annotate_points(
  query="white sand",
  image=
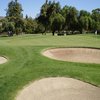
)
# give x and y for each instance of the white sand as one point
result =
(3, 60)
(59, 89)
(84, 55)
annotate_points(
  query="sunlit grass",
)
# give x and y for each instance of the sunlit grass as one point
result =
(26, 64)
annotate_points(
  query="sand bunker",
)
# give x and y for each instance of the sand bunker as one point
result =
(3, 60)
(84, 55)
(59, 89)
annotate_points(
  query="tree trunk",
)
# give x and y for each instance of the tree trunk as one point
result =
(53, 33)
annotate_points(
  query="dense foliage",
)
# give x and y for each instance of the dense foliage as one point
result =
(52, 18)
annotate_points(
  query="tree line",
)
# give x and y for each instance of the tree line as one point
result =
(52, 18)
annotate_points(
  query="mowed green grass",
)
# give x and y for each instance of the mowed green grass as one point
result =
(26, 64)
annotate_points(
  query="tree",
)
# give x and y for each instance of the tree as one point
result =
(40, 28)
(84, 13)
(43, 19)
(14, 9)
(57, 22)
(85, 23)
(30, 26)
(26, 17)
(14, 14)
(46, 1)
(1, 27)
(96, 14)
(48, 9)
(8, 26)
(4, 24)
(71, 18)
(64, 13)
(96, 19)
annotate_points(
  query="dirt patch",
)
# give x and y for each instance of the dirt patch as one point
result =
(3, 60)
(59, 89)
(84, 55)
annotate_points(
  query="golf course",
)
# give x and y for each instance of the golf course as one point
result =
(26, 63)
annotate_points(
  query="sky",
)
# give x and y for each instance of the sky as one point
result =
(32, 7)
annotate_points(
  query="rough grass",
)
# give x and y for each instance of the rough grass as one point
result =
(26, 64)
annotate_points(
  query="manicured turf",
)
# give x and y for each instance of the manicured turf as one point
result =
(26, 64)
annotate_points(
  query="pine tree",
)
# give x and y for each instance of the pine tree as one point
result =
(14, 9)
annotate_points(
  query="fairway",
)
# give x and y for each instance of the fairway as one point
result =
(26, 64)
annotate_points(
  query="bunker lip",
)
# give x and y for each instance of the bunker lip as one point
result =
(59, 88)
(82, 55)
(2, 60)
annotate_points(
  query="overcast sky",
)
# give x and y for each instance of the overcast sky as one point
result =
(32, 7)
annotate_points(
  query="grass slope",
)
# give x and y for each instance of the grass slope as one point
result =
(26, 64)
